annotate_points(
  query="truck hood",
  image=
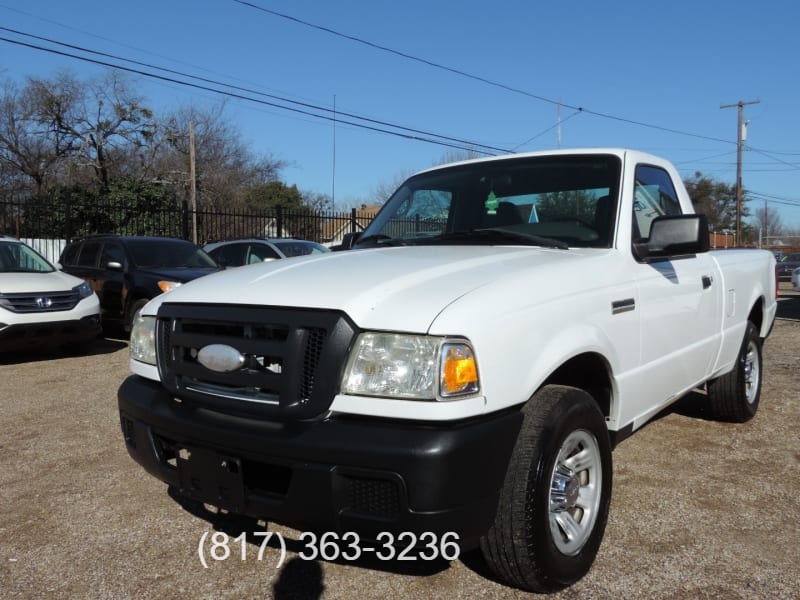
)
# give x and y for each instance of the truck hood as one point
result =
(401, 289)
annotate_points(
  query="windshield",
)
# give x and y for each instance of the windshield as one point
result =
(170, 254)
(568, 200)
(19, 258)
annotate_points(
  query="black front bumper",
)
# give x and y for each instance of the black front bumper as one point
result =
(339, 474)
(49, 334)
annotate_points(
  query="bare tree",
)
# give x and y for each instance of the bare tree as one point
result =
(769, 222)
(101, 120)
(30, 145)
(224, 164)
(383, 190)
(317, 201)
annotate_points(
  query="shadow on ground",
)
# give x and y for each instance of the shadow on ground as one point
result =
(99, 346)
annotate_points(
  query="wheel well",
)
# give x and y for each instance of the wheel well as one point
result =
(756, 315)
(588, 372)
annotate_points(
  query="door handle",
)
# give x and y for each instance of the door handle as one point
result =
(707, 281)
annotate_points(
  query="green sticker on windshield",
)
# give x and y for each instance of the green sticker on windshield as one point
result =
(491, 204)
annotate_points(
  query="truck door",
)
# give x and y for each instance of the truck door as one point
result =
(680, 299)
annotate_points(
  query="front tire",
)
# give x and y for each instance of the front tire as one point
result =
(735, 396)
(554, 504)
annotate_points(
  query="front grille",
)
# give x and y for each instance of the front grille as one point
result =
(42, 302)
(290, 360)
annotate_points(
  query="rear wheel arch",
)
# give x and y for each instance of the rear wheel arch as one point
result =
(756, 316)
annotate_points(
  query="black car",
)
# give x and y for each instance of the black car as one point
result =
(127, 271)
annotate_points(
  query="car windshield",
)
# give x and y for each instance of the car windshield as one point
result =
(552, 201)
(299, 248)
(19, 258)
(171, 254)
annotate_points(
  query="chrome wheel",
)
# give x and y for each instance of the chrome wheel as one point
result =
(752, 372)
(576, 486)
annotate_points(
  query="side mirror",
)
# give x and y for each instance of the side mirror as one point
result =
(674, 237)
(114, 265)
(349, 240)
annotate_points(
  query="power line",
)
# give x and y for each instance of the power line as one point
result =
(775, 199)
(411, 133)
(472, 76)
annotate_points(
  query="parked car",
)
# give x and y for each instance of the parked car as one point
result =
(788, 264)
(127, 271)
(41, 307)
(235, 253)
(796, 279)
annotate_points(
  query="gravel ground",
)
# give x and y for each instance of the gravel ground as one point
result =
(700, 509)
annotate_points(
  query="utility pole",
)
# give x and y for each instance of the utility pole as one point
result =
(192, 182)
(739, 147)
(558, 121)
(333, 169)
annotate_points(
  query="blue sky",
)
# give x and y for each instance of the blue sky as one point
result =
(650, 76)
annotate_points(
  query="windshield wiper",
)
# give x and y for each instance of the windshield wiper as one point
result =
(380, 239)
(498, 234)
(22, 270)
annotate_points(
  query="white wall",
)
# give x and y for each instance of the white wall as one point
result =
(50, 249)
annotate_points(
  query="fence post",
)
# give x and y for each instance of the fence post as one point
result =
(279, 221)
(353, 221)
(184, 219)
(68, 216)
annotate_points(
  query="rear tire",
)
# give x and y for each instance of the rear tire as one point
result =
(554, 504)
(735, 396)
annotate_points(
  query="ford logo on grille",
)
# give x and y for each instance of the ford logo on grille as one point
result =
(220, 358)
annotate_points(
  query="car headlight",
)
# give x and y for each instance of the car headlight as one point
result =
(166, 286)
(143, 340)
(84, 290)
(415, 367)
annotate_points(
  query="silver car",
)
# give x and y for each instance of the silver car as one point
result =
(235, 253)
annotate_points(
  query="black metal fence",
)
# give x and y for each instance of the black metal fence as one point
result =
(69, 220)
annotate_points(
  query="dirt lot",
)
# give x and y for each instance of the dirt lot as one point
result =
(700, 509)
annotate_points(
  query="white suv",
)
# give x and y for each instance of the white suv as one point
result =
(41, 306)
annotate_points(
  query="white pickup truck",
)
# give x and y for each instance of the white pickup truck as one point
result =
(465, 370)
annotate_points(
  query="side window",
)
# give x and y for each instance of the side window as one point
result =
(89, 254)
(112, 253)
(70, 255)
(259, 252)
(229, 255)
(654, 196)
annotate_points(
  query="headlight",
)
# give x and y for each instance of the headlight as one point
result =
(84, 290)
(166, 286)
(415, 367)
(143, 340)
